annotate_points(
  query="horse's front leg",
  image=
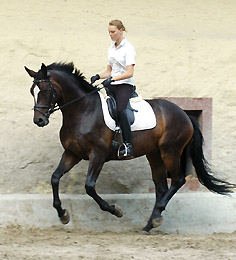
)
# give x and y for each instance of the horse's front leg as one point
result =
(95, 166)
(68, 160)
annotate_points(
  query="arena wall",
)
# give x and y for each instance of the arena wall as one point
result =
(185, 49)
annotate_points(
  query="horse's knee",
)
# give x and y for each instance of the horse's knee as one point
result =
(90, 190)
(55, 181)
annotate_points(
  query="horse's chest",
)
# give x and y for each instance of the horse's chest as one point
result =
(75, 144)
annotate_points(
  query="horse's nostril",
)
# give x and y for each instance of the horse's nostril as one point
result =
(39, 121)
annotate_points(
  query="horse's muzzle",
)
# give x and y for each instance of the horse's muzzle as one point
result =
(41, 121)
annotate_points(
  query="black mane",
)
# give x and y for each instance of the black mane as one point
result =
(70, 69)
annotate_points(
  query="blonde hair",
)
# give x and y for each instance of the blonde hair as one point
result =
(118, 24)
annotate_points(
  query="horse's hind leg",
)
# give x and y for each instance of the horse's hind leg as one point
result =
(68, 160)
(171, 160)
(161, 188)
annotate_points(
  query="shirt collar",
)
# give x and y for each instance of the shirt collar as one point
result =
(121, 44)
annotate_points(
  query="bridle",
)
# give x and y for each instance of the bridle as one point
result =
(51, 108)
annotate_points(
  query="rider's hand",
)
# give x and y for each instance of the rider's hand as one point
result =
(94, 78)
(107, 82)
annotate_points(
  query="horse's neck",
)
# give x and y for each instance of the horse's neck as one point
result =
(85, 106)
(71, 92)
(83, 109)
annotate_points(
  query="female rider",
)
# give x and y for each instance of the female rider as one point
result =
(120, 80)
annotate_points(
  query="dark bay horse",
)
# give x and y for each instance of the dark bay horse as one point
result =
(84, 135)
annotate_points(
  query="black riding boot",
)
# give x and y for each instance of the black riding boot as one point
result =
(126, 150)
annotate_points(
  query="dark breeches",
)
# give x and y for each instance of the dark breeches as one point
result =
(121, 93)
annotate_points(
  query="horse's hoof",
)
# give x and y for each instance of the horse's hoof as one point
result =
(66, 218)
(156, 222)
(118, 211)
(144, 232)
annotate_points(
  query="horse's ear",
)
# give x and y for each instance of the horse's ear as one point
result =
(30, 72)
(44, 70)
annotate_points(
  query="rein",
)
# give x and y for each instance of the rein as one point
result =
(75, 100)
(51, 108)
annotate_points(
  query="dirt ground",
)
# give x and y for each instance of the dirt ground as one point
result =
(19, 243)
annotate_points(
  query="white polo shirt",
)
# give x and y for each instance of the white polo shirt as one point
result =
(120, 57)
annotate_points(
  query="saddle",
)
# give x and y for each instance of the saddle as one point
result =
(143, 120)
(112, 107)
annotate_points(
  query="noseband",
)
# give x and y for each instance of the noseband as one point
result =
(50, 106)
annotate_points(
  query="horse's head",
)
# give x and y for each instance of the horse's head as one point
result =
(45, 95)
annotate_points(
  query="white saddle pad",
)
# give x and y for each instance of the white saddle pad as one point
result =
(144, 118)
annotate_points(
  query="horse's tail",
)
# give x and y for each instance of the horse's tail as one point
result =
(201, 165)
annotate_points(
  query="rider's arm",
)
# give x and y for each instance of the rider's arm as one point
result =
(106, 73)
(128, 74)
